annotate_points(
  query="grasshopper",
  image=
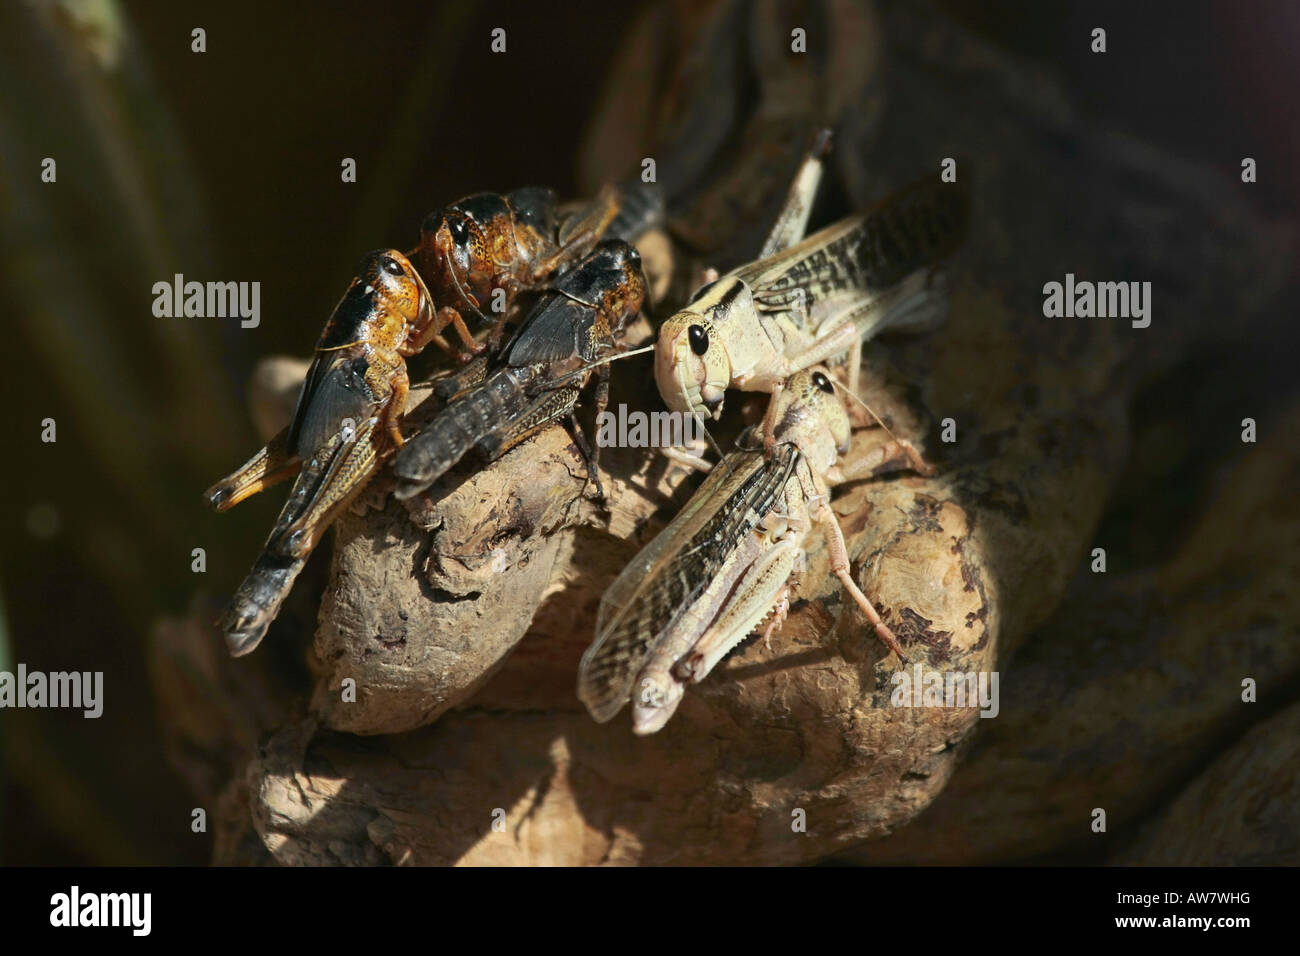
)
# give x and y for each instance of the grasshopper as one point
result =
(539, 374)
(359, 368)
(488, 243)
(483, 251)
(345, 424)
(811, 300)
(727, 561)
(348, 417)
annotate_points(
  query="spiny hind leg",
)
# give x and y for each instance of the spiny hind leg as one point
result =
(582, 230)
(543, 412)
(350, 469)
(552, 407)
(458, 381)
(758, 593)
(269, 466)
(315, 473)
(792, 221)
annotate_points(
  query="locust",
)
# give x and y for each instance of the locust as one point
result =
(345, 423)
(482, 251)
(358, 370)
(474, 246)
(539, 374)
(727, 563)
(811, 300)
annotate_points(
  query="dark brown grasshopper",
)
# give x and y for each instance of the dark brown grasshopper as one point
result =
(345, 424)
(359, 369)
(540, 373)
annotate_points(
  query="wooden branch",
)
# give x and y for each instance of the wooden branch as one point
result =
(462, 620)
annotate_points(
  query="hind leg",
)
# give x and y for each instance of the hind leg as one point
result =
(269, 466)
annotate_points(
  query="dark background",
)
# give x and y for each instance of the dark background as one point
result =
(225, 165)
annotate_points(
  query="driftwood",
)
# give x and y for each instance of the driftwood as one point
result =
(426, 600)
(461, 618)
(1130, 687)
(1240, 812)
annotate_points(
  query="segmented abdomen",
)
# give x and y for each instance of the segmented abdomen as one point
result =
(463, 423)
(258, 600)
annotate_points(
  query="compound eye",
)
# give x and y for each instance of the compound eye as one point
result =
(698, 338)
(392, 266)
(459, 230)
(824, 383)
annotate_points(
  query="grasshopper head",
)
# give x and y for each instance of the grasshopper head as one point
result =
(389, 277)
(810, 413)
(691, 366)
(455, 252)
(623, 292)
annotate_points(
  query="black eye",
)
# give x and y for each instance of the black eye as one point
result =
(459, 230)
(699, 339)
(824, 383)
(392, 266)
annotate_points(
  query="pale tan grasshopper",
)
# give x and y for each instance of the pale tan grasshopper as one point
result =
(726, 563)
(813, 300)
